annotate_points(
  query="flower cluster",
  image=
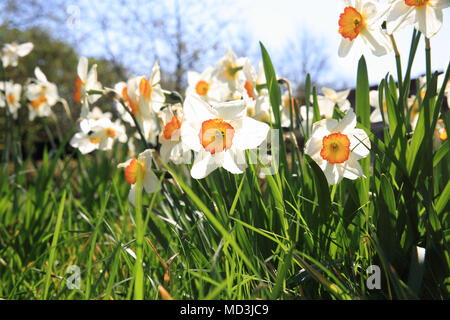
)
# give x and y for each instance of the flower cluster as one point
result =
(39, 94)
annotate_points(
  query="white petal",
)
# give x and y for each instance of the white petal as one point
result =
(347, 124)
(205, 163)
(150, 182)
(40, 75)
(24, 49)
(344, 47)
(399, 16)
(230, 110)
(233, 161)
(352, 169)
(82, 68)
(429, 20)
(190, 135)
(195, 109)
(249, 133)
(360, 144)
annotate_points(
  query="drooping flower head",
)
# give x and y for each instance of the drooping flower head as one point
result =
(336, 146)
(360, 27)
(219, 135)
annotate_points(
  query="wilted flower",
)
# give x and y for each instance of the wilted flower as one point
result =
(426, 15)
(219, 135)
(12, 99)
(360, 26)
(336, 146)
(143, 166)
(42, 95)
(12, 51)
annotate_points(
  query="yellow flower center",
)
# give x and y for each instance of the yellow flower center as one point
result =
(335, 148)
(202, 88)
(131, 171)
(216, 135)
(416, 3)
(351, 22)
(95, 140)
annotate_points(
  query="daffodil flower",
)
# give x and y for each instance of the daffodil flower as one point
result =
(172, 148)
(42, 95)
(206, 86)
(360, 27)
(336, 146)
(425, 15)
(331, 98)
(12, 92)
(86, 81)
(219, 135)
(98, 134)
(141, 166)
(228, 69)
(12, 51)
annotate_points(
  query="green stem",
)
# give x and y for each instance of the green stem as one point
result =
(428, 60)
(398, 63)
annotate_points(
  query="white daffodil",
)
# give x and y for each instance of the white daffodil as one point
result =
(219, 135)
(172, 148)
(98, 134)
(255, 93)
(12, 51)
(336, 146)
(86, 81)
(129, 92)
(151, 96)
(143, 166)
(425, 15)
(12, 100)
(96, 114)
(42, 95)
(228, 69)
(206, 86)
(360, 27)
(331, 98)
